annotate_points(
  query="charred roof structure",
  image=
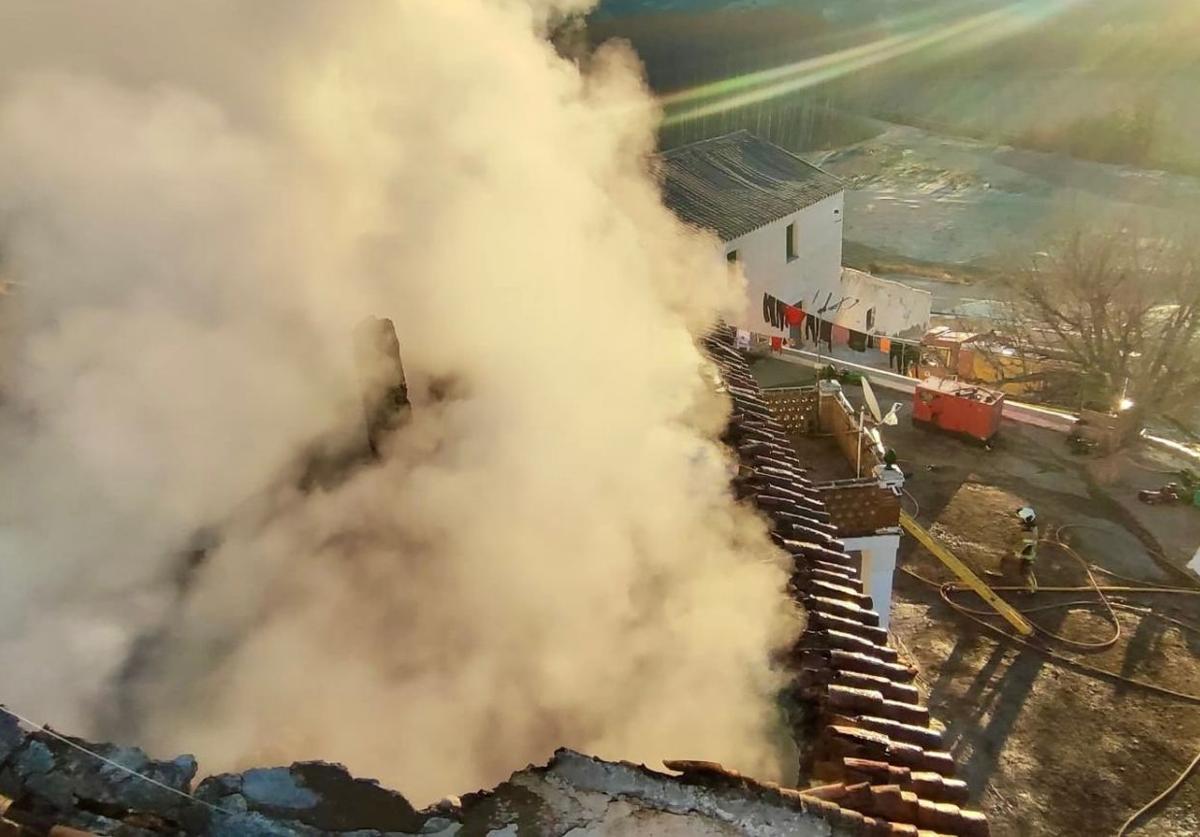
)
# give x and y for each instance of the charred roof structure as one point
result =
(871, 763)
(52, 788)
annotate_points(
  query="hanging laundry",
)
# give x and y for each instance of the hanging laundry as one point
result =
(840, 335)
(742, 340)
(795, 315)
(826, 334)
(857, 340)
(812, 328)
(781, 308)
(777, 344)
(773, 311)
(885, 345)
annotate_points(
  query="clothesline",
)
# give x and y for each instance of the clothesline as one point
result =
(34, 726)
(903, 354)
(781, 315)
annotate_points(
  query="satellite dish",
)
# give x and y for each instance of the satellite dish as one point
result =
(872, 402)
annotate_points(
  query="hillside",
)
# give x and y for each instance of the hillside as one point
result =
(1106, 80)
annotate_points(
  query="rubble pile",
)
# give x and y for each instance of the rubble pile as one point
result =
(48, 786)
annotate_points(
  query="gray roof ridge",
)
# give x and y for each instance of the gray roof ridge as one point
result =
(751, 135)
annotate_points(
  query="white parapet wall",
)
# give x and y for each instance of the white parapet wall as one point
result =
(882, 306)
(878, 553)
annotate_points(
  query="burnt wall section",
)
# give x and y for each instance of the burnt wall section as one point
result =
(866, 742)
(382, 382)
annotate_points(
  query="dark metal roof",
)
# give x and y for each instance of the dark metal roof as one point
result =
(737, 183)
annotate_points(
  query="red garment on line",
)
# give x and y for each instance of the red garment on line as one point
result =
(795, 315)
(777, 344)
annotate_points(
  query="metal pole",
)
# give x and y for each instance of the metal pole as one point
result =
(858, 464)
(818, 330)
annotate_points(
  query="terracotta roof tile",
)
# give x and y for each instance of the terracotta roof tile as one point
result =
(865, 730)
(900, 692)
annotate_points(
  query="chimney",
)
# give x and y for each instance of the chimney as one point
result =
(381, 379)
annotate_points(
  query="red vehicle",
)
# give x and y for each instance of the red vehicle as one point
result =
(961, 408)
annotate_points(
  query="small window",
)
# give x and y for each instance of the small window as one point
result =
(791, 242)
(732, 256)
(870, 318)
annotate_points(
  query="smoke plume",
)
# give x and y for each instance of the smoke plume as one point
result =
(198, 203)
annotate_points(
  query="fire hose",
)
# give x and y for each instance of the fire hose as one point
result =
(947, 589)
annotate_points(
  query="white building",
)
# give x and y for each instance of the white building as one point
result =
(780, 220)
(882, 306)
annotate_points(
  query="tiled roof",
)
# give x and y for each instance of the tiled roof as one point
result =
(863, 734)
(737, 183)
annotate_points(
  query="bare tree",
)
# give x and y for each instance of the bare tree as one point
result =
(1118, 314)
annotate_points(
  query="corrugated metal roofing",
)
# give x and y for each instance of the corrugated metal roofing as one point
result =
(737, 183)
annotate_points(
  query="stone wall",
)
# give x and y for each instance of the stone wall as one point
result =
(859, 507)
(795, 408)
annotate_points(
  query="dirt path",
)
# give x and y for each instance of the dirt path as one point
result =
(962, 204)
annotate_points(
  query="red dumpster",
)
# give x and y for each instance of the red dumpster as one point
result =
(965, 409)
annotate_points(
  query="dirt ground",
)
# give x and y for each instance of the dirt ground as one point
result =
(1047, 749)
(955, 205)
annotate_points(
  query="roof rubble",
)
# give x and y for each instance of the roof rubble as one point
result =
(50, 783)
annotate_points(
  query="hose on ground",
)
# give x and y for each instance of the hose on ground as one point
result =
(1156, 801)
(952, 587)
(947, 589)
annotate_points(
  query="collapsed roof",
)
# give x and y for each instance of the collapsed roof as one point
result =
(871, 761)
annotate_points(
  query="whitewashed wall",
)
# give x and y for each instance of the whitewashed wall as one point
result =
(899, 309)
(813, 274)
(878, 567)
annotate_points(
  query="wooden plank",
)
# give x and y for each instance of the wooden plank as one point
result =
(966, 575)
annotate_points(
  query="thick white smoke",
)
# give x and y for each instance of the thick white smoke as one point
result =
(198, 202)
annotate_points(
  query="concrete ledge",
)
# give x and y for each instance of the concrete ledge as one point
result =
(1034, 414)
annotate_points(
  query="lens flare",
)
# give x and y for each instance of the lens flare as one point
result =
(941, 38)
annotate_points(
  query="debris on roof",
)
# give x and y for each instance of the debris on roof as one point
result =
(49, 786)
(737, 183)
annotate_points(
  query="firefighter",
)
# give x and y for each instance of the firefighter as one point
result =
(1026, 553)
